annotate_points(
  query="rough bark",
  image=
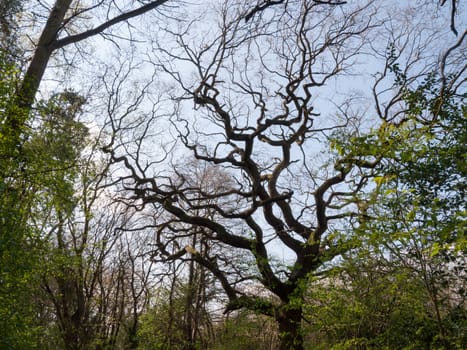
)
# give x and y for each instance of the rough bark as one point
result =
(289, 320)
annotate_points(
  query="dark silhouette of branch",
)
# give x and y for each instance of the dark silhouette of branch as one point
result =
(268, 3)
(99, 29)
(453, 14)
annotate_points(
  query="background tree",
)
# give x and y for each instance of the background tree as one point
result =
(190, 298)
(8, 27)
(24, 172)
(94, 289)
(368, 303)
(425, 195)
(414, 224)
(59, 31)
(18, 253)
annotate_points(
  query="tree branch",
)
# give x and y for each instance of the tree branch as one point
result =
(99, 29)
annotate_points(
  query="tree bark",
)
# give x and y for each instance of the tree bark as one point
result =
(290, 336)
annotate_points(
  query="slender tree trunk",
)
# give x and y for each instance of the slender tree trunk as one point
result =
(290, 335)
(42, 54)
(189, 301)
(21, 105)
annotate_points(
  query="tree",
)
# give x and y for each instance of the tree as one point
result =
(252, 93)
(415, 214)
(69, 275)
(20, 170)
(8, 10)
(257, 133)
(54, 36)
(93, 286)
(368, 302)
(18, 250)
(61, 139)
(424, 195)
(191, 291)
(262, 5)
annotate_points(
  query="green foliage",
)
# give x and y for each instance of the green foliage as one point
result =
(60, 139)
(370, 304)
(8, 10)
(404, 287)
(428, 183)
(35, 173)
(422, 209)
(162, 327)
(8, 150)
(18, 328)
(246, 330)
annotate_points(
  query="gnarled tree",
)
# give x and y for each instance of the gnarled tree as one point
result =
(255, 123)
(252, 95)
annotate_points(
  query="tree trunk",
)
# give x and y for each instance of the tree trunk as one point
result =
(290, 336)
(42, 54)
(18, 114)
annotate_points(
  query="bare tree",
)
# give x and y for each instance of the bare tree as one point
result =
(255, 123)
(97, 282)
(94, 279)
(264, 4)
(193, 281)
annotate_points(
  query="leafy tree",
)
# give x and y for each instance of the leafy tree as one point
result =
(369, 303)
(54, 36)
(424, 210)
(93, 289)
(8, 10)
(26, 175)
(414, 218)
(18, 255)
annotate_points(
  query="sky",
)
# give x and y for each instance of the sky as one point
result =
(133, 53)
